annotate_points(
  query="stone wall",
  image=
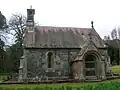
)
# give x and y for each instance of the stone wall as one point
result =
(106, 60)
(37, 63)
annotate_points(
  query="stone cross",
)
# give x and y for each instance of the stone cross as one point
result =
(92, 24)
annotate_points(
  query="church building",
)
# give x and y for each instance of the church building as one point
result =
(62, 53)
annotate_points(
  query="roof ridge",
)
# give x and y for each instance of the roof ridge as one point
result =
(62, 27)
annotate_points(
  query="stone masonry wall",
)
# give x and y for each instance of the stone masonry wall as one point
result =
(37, 63)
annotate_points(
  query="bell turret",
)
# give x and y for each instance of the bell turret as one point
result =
(30, 17)
(30, 28)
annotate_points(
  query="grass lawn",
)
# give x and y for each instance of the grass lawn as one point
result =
(3, 77)
(57, 85)
(116, 69)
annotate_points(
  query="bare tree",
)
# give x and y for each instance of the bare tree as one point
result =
(118, 32)
(114, 34)
(17, 25)
(3, 26)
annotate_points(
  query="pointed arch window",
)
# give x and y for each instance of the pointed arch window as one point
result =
(50, 59)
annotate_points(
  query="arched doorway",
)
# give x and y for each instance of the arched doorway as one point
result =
(90, 65)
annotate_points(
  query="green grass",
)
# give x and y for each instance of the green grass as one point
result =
(65, 86)
(57, 85)
(116, 69)
(3, 78)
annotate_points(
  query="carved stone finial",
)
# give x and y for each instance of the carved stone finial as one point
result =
(92, 24)
(90, 36)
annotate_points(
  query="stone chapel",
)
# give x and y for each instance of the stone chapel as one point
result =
(62, 53)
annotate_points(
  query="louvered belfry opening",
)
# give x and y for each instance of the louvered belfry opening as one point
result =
(90, 64)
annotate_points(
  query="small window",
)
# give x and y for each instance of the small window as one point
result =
(50, 59)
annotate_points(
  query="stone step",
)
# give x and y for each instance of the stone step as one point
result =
(93, 80)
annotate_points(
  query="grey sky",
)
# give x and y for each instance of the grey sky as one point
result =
(69, 13)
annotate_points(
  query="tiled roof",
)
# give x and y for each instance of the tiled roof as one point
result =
(65, 37)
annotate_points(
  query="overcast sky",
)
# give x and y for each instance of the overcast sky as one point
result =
(69, 13)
